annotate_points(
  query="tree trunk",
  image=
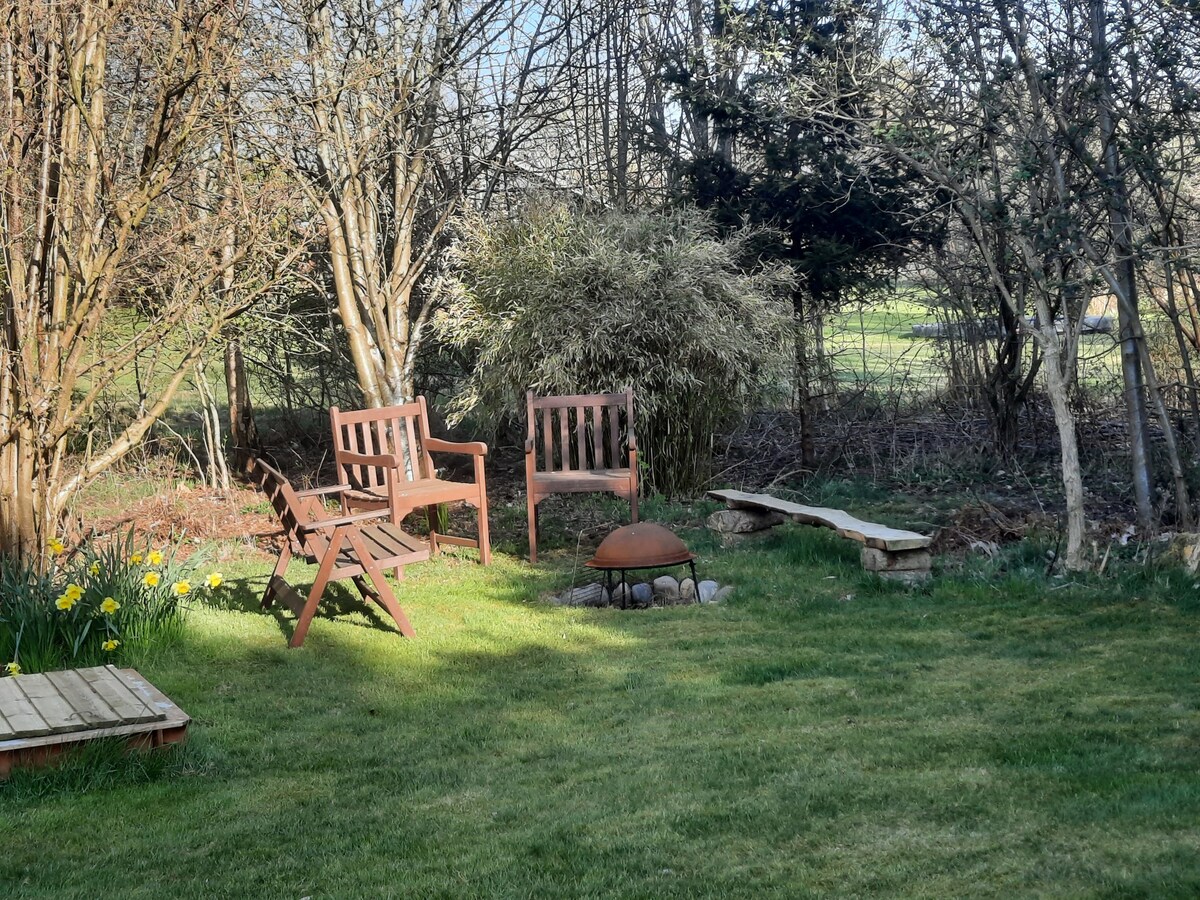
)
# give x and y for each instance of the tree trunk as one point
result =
(243, 431)
(1058, 387)
(804, 398)
(216, 469)
(1127, 311)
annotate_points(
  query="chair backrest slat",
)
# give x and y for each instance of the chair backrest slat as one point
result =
(412, 456)
(547, 441)
(291, 510)
(614, 434)
(597, 437)
(564, 440)
(580, 438)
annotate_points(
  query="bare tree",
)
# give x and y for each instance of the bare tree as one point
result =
(389, 114)
(1013, 109)
(105, 108)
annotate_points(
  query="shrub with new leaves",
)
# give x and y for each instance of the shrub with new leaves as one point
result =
(562, 302)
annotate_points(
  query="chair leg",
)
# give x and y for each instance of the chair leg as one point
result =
(281, 565)
(532, 530)
(485, 540)
(431, 514)
(385, 597)
(318, 588)
(633, 503)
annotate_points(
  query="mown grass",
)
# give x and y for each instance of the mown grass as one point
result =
(997, 734)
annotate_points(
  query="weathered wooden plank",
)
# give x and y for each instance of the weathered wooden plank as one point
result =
(86, 702)
(107, 682)
(170, 724)
(22, 716)
(868, 533)
(593, 480)
(50, 703)
(555, 402)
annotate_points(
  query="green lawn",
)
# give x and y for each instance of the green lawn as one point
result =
(874, 347)
(1000, 734)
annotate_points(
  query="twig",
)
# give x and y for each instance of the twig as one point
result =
(1054, 553)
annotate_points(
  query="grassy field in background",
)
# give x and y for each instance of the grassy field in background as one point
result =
(872, 346)
(997, 734)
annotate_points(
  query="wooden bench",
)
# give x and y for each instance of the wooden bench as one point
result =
(891, 552)
(579, 444)
(350, 546)
(403, 432)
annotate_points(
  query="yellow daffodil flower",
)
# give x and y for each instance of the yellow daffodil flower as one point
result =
(110, 645)
(151, 579)
(215, 580)
(13, 668)
(55, 547)
(73, 591)
(154, 558)
(108, 606)
(65, 602)
(94, 568)
(180, 588)
(136, 559)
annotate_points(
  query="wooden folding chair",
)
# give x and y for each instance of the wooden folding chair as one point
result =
(345, 546)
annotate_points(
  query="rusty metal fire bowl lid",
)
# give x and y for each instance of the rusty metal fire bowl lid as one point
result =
(642, 545)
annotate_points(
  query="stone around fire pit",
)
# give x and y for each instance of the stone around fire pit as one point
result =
(665, 591)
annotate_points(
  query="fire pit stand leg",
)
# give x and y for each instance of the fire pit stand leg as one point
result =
(692, 566)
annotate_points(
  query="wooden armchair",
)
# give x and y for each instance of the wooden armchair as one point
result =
(583, 443)
(348, 546)
(403, 432)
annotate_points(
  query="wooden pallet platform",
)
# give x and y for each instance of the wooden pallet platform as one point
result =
(42, 715)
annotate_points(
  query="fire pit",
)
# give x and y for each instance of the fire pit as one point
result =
(642, 545)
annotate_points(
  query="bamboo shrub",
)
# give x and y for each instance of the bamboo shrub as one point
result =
(562, 302)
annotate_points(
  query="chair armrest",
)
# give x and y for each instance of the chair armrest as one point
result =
(317, 492)
(528, 445)
(385, 460)
(472, 448)
(633, 443)
(321, 524)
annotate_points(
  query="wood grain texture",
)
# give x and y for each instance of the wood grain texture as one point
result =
(868, 533)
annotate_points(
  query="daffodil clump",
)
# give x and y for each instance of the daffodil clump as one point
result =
(94, 603)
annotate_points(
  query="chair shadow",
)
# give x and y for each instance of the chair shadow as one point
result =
(340, 601)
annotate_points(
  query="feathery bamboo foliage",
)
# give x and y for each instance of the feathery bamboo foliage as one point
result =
(562, 302)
